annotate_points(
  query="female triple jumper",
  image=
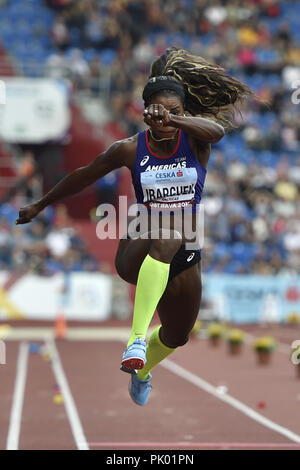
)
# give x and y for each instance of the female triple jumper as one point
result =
(188, 104)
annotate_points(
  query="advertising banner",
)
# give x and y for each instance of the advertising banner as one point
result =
(80, 296)
(35, 110)
(252, 299)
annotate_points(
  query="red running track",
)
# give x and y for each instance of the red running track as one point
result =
(179, 415)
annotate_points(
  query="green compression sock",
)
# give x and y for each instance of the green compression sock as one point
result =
(156, 351)
(151, 284)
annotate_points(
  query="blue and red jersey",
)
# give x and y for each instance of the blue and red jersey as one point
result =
(171, 182)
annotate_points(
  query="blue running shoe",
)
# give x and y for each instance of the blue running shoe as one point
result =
(134, 358)
(139, 390)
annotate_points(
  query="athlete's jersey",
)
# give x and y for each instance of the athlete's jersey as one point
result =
(171, 182)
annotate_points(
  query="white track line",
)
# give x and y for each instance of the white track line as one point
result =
(69, 402)
(18, 399)
(73, 333)
(238, 405)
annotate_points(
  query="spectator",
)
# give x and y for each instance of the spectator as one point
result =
(252, 189)
(60, 33)
(47, 245)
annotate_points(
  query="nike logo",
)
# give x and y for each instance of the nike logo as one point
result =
(190, 257)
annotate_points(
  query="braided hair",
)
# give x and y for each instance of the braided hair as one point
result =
(209, 91)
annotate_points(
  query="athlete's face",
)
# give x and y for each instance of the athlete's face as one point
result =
(173, 104)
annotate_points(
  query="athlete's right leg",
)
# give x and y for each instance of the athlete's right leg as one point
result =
(178, 310)
(146, 263)
(162, 245)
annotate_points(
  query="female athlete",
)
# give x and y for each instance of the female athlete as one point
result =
(188, 104)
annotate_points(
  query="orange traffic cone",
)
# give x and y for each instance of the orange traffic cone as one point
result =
(60, 326)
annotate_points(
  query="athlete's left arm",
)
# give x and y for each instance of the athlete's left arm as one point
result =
(201, 134)
(199, 128)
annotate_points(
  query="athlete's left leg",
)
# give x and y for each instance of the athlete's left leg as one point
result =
(178, 310)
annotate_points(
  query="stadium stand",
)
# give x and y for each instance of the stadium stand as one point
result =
(252, 189)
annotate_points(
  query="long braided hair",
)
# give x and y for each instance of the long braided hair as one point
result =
(209, 91)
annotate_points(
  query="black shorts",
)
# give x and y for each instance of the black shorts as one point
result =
(184, 259)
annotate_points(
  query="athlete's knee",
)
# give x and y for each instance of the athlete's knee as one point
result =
(121, 266)
(179, 342)
(173, 340)
(124, 274)
(164, 244)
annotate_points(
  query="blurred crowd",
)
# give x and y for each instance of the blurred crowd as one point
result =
(253, 217)
(253, 183)
(253, 40)
(46, 246)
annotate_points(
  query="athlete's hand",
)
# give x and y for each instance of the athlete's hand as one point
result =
(156, 115)
(27, 213)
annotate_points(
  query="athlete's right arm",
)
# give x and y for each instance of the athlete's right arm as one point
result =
(116, 156)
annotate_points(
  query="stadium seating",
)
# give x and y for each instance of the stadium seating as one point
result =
(269, 136)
